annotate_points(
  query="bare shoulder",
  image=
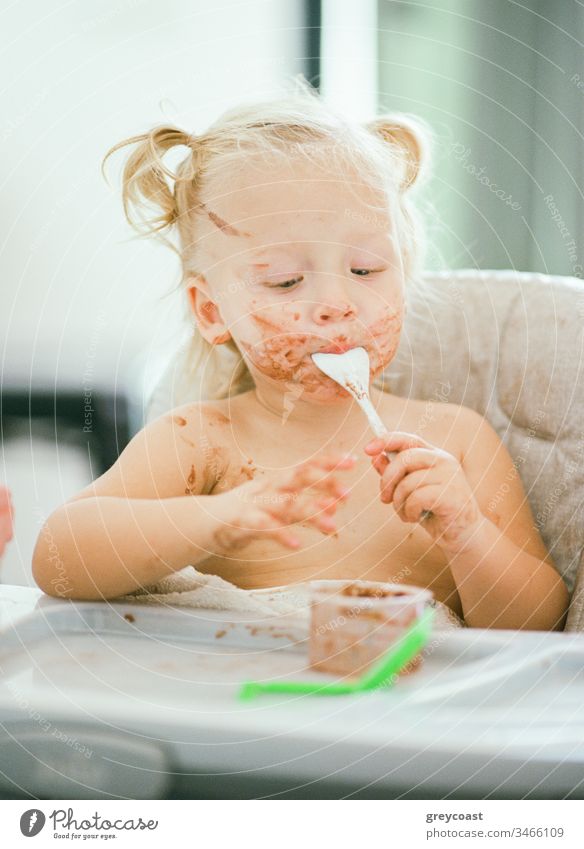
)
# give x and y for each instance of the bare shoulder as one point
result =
(495, 480)
(465, 432)
(176, 454)
(441, 423)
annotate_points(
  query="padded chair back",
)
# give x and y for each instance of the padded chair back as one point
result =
(511, 346)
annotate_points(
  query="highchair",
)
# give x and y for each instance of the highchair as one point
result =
(121, 700)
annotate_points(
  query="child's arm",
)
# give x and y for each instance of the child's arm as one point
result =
(131, 526)
(481, 519)
(148, 515)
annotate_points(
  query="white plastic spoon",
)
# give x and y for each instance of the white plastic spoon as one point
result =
(351, 371)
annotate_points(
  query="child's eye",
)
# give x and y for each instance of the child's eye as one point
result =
(287, 284)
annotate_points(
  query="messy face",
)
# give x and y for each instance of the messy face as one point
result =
(299, 265)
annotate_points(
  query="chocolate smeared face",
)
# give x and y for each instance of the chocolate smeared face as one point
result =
(299, 265)
(283, 355)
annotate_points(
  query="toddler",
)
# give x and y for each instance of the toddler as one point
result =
(296, 234)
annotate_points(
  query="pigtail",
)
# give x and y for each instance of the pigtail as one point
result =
(411, 140)
(147, 181)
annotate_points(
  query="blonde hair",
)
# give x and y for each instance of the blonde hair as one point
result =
(390, 152)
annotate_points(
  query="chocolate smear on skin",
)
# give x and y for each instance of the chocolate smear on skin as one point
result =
(222, 225)
(216, 416)
(249, 473)
(191, 482)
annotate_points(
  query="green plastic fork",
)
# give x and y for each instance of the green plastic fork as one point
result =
(392, 662)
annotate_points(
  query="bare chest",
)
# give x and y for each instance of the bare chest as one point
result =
(372, 543)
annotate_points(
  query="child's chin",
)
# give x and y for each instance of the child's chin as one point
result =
(323, 393)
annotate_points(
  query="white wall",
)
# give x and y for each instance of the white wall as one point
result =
(75, 295)
(79, 301)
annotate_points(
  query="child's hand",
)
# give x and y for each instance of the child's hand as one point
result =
(267, 506)
(427, 485)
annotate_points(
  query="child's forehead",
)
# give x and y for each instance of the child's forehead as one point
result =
(255, 212)
(255, 239)
(302, 189)
(276, 193)
(250, 225)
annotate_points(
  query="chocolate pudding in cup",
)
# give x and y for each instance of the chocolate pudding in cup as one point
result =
(353, 623)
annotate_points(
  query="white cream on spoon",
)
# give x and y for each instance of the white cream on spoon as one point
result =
(351, 371)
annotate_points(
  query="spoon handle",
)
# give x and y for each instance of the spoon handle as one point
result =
(380, 430)
(377, 426)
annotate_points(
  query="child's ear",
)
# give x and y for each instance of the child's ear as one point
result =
(206, 312)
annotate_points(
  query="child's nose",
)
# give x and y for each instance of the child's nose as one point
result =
(325, 313)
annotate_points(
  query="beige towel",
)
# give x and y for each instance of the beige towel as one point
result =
(189, 588)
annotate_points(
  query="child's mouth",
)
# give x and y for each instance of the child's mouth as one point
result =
(338, 347)
(286, 356)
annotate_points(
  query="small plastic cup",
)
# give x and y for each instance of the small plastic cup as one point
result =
(352, 623)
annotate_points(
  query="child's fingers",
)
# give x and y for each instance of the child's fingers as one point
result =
(311, 507)
(287, 539)
(420, 503)
(320, 476)
(407, 461)
(396, 441)
(329, 505)
(326, 524)
(279, 527)
(409, 484)
(263, 524)
(380, 463)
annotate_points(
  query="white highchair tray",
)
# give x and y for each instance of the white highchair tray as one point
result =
(172, 674)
